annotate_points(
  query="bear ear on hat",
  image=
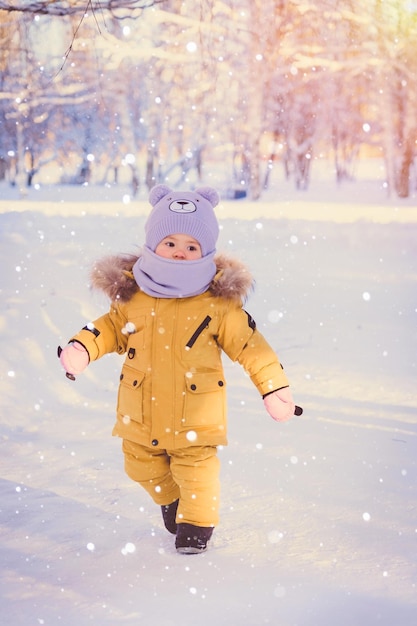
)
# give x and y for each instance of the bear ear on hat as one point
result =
(209, 194)
(158, 192)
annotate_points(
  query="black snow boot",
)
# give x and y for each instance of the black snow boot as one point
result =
(169, 512)
(192, 539)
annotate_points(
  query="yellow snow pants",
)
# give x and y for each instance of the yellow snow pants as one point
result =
(188, 474)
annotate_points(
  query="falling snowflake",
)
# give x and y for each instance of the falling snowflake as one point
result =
(129, 328)
(129, 548)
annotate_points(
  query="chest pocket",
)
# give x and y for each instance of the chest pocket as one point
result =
(130, 398)
(204, 324)
(135, 331)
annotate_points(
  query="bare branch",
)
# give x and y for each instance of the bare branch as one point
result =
(72, 7)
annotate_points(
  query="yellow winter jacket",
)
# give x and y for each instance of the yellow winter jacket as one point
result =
(172, 391)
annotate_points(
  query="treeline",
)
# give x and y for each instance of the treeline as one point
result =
(165, 89)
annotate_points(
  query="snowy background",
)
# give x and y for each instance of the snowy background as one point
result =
(319, 516)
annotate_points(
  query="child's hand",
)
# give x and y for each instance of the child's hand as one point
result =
(280, 404)
(74, 358)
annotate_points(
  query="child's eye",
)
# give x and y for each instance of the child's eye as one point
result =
(192, 248)
(170, 244)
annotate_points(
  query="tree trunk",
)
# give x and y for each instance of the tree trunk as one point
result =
(150, 176)
(403, 177)
(253, 96)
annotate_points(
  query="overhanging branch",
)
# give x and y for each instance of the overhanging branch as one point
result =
(72, 7)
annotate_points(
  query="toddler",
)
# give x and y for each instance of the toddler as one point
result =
(174, 309)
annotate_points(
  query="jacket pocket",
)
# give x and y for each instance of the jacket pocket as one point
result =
(130, 398)
(205, 399)
(204, 324)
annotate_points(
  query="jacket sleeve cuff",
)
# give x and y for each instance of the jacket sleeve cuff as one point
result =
(88, 341)
(278, 389)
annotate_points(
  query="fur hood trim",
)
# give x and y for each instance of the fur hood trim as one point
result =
(113, 275)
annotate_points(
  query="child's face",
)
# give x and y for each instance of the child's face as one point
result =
(179, 247)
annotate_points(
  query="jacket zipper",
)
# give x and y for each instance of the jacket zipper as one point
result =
(206, 321)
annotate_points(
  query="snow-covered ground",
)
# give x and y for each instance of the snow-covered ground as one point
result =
(319, 515)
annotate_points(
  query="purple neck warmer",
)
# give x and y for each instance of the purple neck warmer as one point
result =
(166, 278)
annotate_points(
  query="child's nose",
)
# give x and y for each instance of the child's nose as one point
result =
(179, 254)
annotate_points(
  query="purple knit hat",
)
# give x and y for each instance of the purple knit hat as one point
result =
(187, 212)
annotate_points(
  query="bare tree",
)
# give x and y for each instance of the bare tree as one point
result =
(396, 75)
